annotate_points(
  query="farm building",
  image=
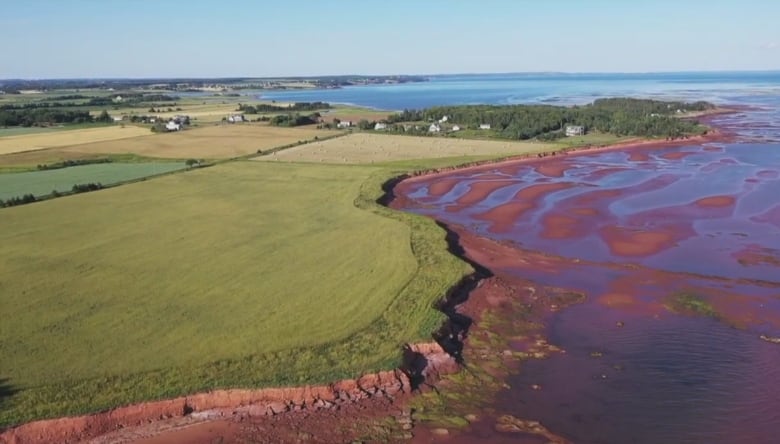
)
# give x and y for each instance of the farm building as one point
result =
(455, 128)
(484, 126)
(575, 130)
(236, 118)
(380, 126)
(434, 128)
(173, 126)
(344, 124)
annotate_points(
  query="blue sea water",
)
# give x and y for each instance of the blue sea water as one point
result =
(554, 88)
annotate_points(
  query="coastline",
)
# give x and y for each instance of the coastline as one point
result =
(423, 363)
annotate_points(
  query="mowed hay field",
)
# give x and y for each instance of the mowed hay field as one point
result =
(212, 142)
(244, 274)
(376, 148)
(52, 139)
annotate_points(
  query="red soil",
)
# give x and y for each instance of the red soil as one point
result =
(232, 404)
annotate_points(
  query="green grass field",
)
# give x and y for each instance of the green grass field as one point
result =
(40, 183)
(244, 274)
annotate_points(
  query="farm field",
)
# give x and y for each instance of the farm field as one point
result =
(208, 279)
(212, 142)
(52, 139)
(354, 114)
(378, 148)
(40, 183)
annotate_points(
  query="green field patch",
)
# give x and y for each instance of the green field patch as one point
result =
(40, 183)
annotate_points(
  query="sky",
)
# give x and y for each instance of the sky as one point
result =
(265, 38)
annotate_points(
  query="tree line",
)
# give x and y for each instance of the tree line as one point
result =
(46, 117)
(30, 198)
(619, 116)
(290, 120)
(72, 163)
(295, 107)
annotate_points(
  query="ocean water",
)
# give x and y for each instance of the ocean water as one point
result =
(631, 230)
(542, 88)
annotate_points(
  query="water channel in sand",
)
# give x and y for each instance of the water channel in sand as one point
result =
(638, 231)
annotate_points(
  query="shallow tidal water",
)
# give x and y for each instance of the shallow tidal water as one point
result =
(634, 230)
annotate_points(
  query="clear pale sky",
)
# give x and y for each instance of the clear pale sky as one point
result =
(245, 38)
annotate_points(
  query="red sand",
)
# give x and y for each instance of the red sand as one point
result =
(676, 155)
(715, 202)
(503, 216)
(622, 242)
(535, 192)
(478, 191)
(551, 169)
(559, 227)
(442, 187)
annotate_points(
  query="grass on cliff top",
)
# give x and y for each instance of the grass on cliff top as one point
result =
(246, 274)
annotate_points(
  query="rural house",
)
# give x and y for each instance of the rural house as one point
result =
(575, 130)
(172, 126)
(344, 124)
(434, 128)
(455, 128)
(236, 118)
(380, 126)
(484, 126)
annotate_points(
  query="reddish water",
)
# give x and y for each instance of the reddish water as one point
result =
(633, 230)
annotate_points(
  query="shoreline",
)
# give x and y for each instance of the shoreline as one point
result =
(422, 363)
(713, 135)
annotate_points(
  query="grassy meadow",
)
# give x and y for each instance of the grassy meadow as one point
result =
(380, 148)
(39, 183)
(211, 279)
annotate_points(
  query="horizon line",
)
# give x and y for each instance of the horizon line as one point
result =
(714, 71)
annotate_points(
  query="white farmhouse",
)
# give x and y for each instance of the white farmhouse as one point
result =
(236, 118)
(173, 126)
(574, 130)
(484, 126)
(434, 128)
(379, 126)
